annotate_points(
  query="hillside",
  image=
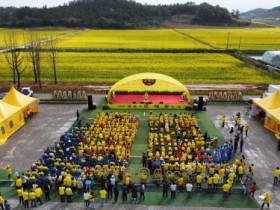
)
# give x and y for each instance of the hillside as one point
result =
(267, 16)
(113, 14)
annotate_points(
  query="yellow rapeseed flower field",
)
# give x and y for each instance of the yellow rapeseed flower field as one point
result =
(130, 39)
(238, 39)
(21, 35)
(186, 67)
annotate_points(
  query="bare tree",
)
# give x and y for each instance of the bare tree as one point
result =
(34, 47)
(30, 44)
(52, 55)
(15, 58)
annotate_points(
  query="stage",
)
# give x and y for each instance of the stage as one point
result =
(130, 98)
(153, 101)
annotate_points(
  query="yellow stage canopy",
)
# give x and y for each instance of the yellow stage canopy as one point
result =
(149, 82)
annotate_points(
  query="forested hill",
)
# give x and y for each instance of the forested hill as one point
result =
(112, 14)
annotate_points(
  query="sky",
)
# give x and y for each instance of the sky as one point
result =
(241, 5)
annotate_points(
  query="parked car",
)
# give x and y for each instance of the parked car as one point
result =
(27, 91)
(2, 95)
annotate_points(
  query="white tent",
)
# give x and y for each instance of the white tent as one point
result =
(272, 58)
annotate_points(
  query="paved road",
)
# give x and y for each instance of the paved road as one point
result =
(27, 144)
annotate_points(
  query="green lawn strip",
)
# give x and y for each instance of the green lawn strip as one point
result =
(154, 197)
(206, 125)
(3, 175)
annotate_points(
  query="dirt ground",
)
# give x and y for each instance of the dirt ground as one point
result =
(97, 87)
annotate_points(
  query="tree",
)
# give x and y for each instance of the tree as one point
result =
(15, 58)
(30, 44)
(51, 44)
(34, 47)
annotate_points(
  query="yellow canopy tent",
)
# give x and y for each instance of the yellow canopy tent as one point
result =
(149, 82)
(11, 120)
(271, 105)
(272, 120)
(16, 98)
(270, 102)
(3, 133)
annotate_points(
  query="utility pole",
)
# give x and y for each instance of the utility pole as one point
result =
(228, 40)
(240, 42)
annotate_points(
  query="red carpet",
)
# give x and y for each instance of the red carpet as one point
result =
(126, 98)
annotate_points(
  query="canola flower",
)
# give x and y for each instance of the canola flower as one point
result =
(111, 67)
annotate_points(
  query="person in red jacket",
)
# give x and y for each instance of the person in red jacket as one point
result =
(253, 189)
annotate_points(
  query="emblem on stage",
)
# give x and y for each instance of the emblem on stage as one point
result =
(149, 82)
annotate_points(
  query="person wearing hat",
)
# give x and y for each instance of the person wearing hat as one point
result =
(113, 180)
(9, 172)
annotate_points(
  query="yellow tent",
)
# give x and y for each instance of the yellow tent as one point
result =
(271, 105)
(270, 102)
(3, 132)
(16, 98)
(11, 119)
(149, 82)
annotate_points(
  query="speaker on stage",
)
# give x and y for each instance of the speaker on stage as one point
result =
(200, 103)
(90, 104)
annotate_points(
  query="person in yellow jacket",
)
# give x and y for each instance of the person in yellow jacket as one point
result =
(246, 128)
(25, 198)
(9, 172)
(198, 181)
(276, 176)
(32, 198)
(20, 195)
(240, 172)
(266, 199)
(18, 182)
(1, 202)
(180, 183)
(226, 188)
(91, 198)
(103, 196)
(223, 118)
(38, 194)
(61, 191)
(210, 182)
(216, 178)
(69, 193)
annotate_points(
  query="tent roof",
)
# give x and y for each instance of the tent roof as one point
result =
(163, 83)
(270, 102)
(6, 110)
(16, 98)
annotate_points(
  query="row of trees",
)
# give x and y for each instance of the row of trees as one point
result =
(33, 51)
(110, 14)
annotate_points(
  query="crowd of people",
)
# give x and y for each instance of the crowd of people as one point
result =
(100, 152)
(84, 155)
(176, 139)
